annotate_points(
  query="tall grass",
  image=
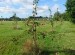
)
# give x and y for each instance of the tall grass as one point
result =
(12, 41)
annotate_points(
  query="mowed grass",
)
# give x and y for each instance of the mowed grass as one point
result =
(12, 41)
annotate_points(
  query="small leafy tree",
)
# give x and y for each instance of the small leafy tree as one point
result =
(57, 15)
(51, 20)
(33, 27)
(15, 19)
(35, 2)
(1, 20)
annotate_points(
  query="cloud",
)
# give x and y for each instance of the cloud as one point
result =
(25, 7)
(55, 0)
(20, 7)
(8, 5)
(5, 9)
(42, 9)
(54, 8)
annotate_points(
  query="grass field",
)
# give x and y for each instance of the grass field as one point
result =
(63, 39)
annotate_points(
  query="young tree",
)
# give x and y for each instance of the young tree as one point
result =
(33, 27)
(51, 20)
(15, 19)
(35, 2)
(70, 5)
(1, 20)
(57, 15)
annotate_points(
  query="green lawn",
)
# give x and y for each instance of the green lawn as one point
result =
(12, 41)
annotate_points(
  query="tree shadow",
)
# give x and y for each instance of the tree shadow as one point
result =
(66, 52)
(45, 52)
(69, 52)
(54, 52)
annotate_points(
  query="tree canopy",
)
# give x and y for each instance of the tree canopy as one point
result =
(70, 5)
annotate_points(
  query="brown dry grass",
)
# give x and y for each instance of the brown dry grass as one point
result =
(28, 46)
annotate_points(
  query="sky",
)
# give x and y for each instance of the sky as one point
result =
(24, 8)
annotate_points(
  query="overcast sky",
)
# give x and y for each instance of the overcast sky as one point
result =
(23, 8)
